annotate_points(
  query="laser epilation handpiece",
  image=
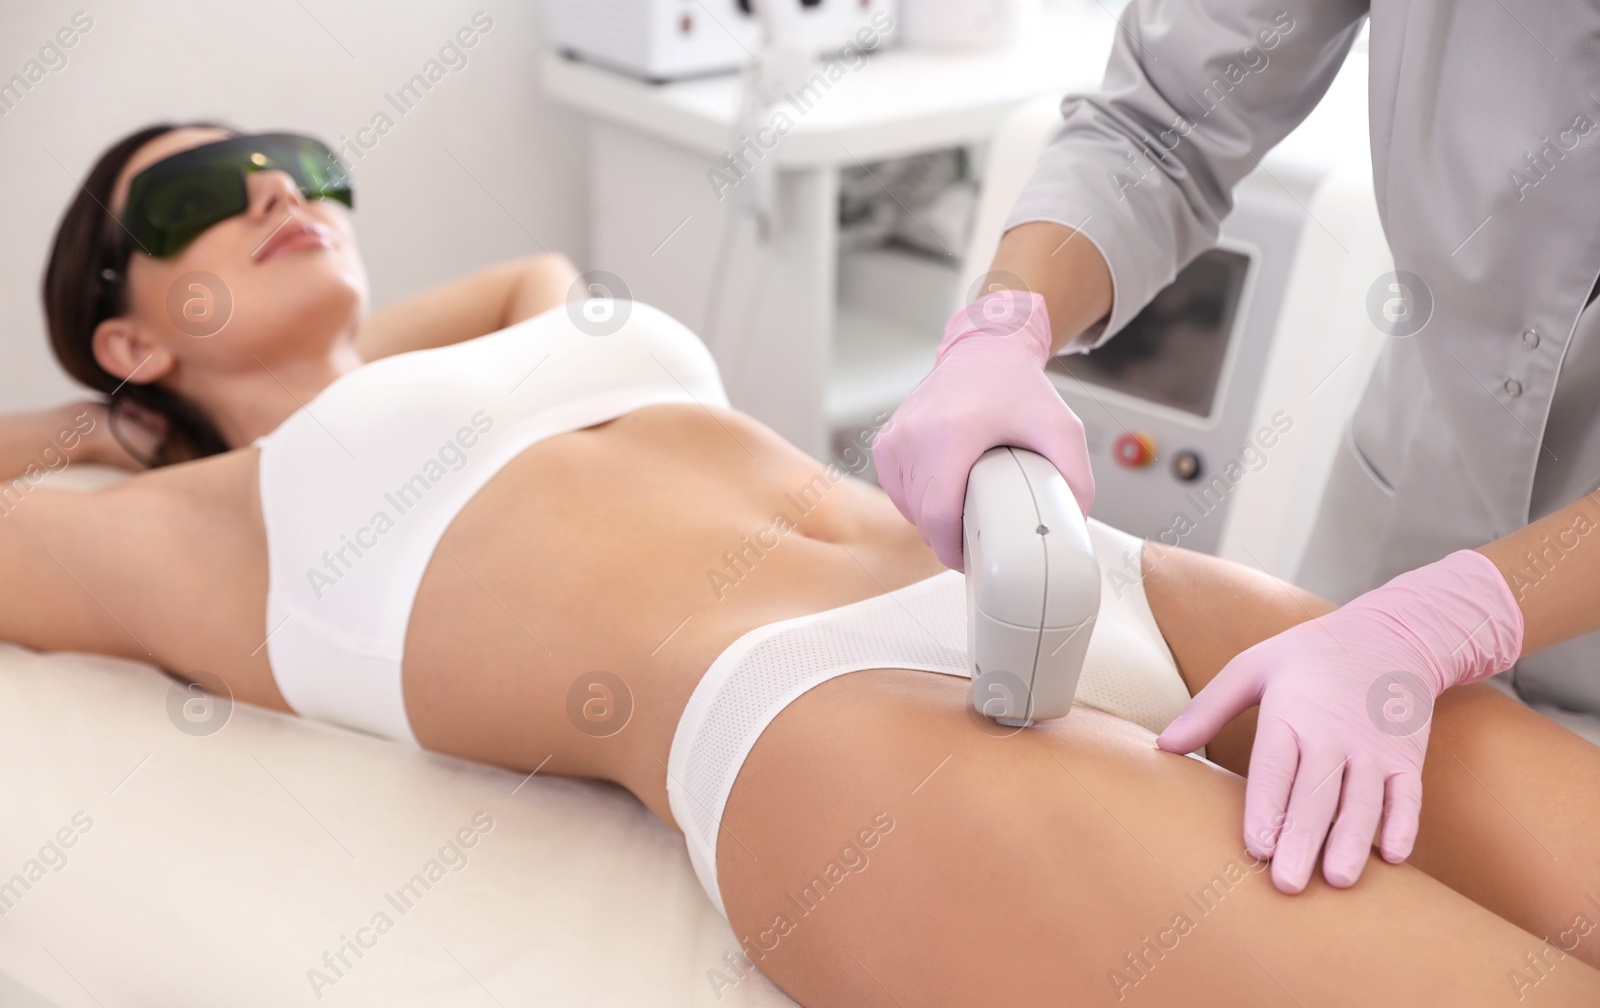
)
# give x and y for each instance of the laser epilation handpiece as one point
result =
(1033, 587)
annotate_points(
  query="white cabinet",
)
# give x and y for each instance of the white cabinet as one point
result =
(807, 338)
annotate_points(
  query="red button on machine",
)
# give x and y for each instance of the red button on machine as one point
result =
(1133, 449)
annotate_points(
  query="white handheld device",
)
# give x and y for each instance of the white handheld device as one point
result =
(1033, 587)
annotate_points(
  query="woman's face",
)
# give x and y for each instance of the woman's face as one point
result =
(244, 293)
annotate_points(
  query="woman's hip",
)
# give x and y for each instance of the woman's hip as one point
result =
(878, 848)
(1129, 672)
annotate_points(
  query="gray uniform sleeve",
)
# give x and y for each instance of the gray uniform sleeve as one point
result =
(1194, 92)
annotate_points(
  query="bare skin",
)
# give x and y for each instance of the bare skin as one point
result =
(1065, 268)
(1511, 796)
(1067, 847)
(502, 589)
(594, 550)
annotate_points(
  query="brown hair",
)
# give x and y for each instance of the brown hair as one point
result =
(77, 297)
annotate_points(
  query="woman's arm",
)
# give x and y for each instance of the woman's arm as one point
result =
(478, 303)
(34, 444)
(57, 550)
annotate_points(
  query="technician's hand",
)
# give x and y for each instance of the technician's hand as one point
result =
(1346, 706)
(988, 387)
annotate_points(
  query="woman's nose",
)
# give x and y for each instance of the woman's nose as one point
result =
(272, 191)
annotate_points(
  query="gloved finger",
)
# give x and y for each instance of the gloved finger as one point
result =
(1401, 813)
(918, 466)
(886, 459)
(1360, 808)
(940, 518)
(1273, 760)
(1072, 461)
(1312, 802)
(1235, 689)
(1068, 450)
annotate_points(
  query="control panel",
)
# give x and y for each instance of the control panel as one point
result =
(1166, 402)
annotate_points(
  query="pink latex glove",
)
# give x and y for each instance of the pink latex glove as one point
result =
(1354, 690)
(987, 388)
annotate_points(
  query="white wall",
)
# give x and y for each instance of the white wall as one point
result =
(316, 66)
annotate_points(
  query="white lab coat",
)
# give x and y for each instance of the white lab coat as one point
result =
(1485, 123)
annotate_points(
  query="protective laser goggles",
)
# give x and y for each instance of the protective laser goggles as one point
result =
(171, 202)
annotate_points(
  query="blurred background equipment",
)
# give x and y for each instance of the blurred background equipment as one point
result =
(955, 25)
(825, 321)
(661, 40)
(924, 201)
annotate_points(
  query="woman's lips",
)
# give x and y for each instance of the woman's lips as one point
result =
(294, 238)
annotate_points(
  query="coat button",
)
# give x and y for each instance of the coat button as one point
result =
(1530, 338)
(1512, 387)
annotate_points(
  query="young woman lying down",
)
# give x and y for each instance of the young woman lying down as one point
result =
(534, 534)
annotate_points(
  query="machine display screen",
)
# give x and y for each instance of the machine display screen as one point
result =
(1172, 351)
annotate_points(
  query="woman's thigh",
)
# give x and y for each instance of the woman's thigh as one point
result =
(882, 846)
(1511, 800)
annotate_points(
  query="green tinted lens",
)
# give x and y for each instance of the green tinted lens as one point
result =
(173, 201)
(309, 162)
(182, 206)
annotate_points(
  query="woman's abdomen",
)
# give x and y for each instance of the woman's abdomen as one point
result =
(576, 600)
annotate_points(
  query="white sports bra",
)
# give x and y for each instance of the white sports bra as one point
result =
(360, 483)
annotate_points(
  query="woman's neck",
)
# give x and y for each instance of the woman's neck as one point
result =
(256, 400)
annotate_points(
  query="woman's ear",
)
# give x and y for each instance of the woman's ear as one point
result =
(123, 349)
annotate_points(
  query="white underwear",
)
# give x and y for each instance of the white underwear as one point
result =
(1129, 672)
